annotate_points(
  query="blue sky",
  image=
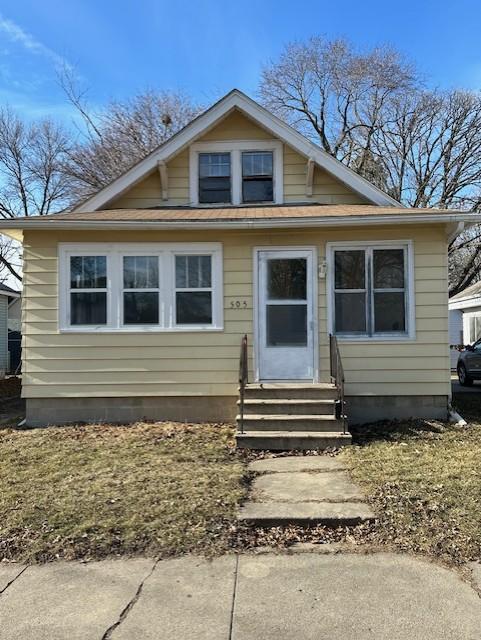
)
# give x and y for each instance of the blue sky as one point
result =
(206, 47)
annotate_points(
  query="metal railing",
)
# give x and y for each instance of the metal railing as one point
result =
(243, 379)
(337, 378)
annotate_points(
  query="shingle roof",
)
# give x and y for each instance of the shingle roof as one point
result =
(4, 289)
(470, 292)
(242, 213)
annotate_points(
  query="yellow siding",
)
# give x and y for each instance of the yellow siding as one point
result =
(143, 364)
(146, 193)
(236, 126)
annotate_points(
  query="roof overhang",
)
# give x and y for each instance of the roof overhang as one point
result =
(14, 228)
(465, 303)
(206, 121)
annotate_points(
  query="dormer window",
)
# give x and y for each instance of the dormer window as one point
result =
(237, 172)
(257, 177)
(214, 178)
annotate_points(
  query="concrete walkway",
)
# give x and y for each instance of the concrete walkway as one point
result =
(304, 490)
(283, 597)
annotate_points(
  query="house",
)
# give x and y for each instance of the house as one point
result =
(136, 302)
(8, 297)
(464, 319)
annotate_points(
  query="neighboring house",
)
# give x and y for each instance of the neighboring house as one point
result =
(7, 297)
(135, 303)
(465, 318)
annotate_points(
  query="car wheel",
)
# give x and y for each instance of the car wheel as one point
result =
(464, 379)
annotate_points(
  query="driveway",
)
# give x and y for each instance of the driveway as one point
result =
(457, 388)
(291, 596)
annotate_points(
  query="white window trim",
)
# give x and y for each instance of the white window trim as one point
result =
(407, 245)
(235, 148)
(115, 253)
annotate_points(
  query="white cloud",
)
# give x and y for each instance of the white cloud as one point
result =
(15, 33)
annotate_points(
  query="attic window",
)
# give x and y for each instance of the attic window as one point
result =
(214, 178)
(257, 179)
(237, 172)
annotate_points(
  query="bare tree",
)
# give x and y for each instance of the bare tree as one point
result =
(334, 94)
(370, 111)
(122, 133)
(33, 180)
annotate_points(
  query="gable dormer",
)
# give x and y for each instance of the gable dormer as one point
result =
(236, 154)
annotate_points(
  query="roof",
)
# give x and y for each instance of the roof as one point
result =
(8, 291)
(267, 212)
(474, 291)
(246, 217)
(236, 100)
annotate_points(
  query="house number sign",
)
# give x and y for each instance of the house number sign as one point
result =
(238, 304)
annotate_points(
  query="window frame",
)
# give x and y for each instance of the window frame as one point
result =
(166, 253)
(409, 294)
(226, 202)
(236, 148)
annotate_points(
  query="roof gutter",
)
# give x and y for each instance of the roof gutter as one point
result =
(258, 223)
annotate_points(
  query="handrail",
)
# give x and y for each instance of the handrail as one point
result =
(243, 379)
(337, 376)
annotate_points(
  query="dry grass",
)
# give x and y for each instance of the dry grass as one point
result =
(424, 481)
(94, 491)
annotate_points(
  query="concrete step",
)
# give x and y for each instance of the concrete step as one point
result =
(292, 440)
(298, 406)
(283, 422)
(291, 390)
(330, 514)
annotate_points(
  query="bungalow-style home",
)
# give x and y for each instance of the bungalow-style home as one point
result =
(137, 301)
(7, 298)
(464, 319)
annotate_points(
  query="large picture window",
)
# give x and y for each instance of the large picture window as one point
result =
(129, 287)
(370, 291)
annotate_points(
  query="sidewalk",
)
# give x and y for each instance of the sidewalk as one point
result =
(308, 596)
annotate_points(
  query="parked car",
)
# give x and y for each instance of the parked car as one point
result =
(469, 364)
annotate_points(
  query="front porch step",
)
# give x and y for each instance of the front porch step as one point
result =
(292, 440)
(291, 423)
(298, 406)
(291, 391)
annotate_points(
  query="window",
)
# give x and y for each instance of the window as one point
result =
(141, 289)
(370, 291)
(257, 180)
(236, 172)
(193, 289)
(214, 178)
(474, 327)
(127, 287)
(88, 290)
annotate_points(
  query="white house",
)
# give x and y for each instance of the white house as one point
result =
(464, 318)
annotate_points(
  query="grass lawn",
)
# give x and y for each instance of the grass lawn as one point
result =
(93, 491)
(424, 481)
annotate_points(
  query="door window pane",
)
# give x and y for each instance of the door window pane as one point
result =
(388, 268)
(141, 307)
(389, 312)
(350, 312)
(193, 272)
(141, 272)
(287, 279)
(193, 307)
(257, 180)
(87, 308)
(349, 270)
(214, 178)
(286, 325)
(88, 272)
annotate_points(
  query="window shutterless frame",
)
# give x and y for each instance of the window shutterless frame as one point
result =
(409, 298)
(115, 253)
(236, 148)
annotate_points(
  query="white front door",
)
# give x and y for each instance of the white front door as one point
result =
(285, 315)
